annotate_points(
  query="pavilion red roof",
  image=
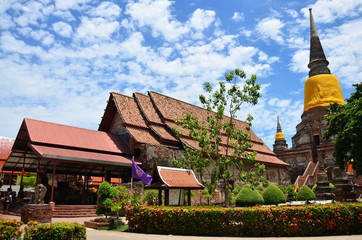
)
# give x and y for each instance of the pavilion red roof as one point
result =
(63, 135)
(179, 178)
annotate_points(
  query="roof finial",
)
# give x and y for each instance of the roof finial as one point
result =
(279, 128)
(318, 63)
(313, 29)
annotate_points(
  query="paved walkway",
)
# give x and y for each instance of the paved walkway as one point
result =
(114, 235)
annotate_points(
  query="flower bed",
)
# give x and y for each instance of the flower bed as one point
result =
(54, 231)
(10, 229)
(310, 220)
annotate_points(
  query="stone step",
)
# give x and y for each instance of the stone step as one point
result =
(64, 211)
(75, 206)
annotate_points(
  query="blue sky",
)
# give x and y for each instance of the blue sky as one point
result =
(60, 59)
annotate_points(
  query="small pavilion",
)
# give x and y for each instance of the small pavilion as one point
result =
(68, 153)
(174, 182)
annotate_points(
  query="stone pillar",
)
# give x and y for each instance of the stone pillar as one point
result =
(323, 190)
(343, 189)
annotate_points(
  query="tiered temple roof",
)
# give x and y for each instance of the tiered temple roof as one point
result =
(150, 119)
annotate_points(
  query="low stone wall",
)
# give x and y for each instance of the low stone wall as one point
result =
(41, 213)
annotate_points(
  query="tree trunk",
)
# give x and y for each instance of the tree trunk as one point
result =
(226, 191)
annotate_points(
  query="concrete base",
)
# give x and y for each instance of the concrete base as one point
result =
(41, 213)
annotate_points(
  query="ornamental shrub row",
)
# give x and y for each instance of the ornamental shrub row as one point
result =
(10, 229)
(309, 220)
(55, 231)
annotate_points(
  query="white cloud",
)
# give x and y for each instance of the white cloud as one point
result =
(29, 13)
(237, 17)
(343, 51)
(157, 15)
(10, 44)
(201, 19)
(70, 4)
(93, 28)
(5, 19)
(271, 28)
(64, 14)
(63, 29)
(300, 61)
(106, 10)
(327, 11)
(276, 102)
(292, 13)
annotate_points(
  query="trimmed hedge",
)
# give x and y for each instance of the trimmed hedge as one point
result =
(305, 194)
(273, 195)
(310, 220)
(55, 231)
(248, 197)
(10, 229)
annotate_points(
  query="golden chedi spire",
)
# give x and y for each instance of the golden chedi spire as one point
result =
(321, 88)
(279, 135)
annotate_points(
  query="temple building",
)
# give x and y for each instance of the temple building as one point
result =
(145, 123)
(310, 152)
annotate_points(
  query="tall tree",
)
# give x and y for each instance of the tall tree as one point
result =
(345, 124)
(221, 146)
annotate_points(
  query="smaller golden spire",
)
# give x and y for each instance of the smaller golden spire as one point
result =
(279, 135)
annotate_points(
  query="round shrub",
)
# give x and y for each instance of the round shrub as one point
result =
(248, 197)
(273, 195)
(291, 193)
(260, 189)
(305, 194)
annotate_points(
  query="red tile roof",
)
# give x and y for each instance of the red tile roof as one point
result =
(143, 136)
(147, 108)
(163, 133)
(63, 135)
(171, 109)
(129, 111)
(179, 178)
(63, 154)
(5, 147)
(150, 119)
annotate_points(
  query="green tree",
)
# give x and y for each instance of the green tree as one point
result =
(28, 181)
(106, 195)
(345, 122)
(222, 146)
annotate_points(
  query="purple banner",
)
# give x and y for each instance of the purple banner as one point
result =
(138, 173)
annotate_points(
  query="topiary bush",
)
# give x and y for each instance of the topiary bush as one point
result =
(273, 195)
(106, 195)
(248, 197)
(305, 194)
(260, 189)
(281, 187)
(291, 193)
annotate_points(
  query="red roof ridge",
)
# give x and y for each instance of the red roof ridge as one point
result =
(140, 107)
(36, 120)
(176, 100)
(124, 95)
(190, 104)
